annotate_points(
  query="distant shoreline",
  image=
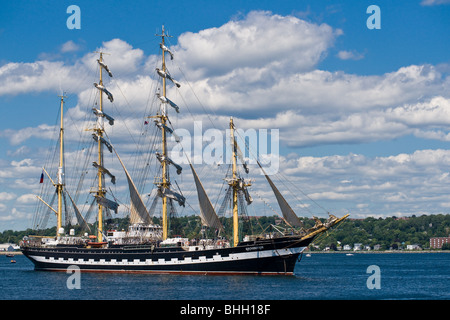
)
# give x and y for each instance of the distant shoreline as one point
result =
(378, 251)
(16, 253)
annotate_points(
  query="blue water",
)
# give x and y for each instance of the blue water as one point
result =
(424, 276)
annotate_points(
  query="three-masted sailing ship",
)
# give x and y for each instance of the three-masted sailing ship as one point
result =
(146, 247)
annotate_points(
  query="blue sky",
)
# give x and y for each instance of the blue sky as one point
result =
(364, 101)
(410, 33)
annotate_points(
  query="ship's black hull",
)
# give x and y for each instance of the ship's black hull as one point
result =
(264, 257)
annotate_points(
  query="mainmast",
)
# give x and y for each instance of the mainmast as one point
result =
(161, 121)
(164, 182)
(60, 182)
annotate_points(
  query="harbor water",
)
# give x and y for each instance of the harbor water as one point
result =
(368, 276)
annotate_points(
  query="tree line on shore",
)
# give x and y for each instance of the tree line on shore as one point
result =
(383, 233)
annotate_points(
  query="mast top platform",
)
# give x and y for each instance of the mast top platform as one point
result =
(101, 52)
(163, 34)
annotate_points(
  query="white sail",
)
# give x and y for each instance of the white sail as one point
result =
(288, 214)
(81, 221)
(207, 213)
(138, 211)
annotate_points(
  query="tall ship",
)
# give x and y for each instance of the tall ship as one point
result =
(148, 246)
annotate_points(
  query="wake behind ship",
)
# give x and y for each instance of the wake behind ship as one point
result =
(146, 247)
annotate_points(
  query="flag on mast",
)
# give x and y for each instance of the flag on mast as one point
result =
(42, 178)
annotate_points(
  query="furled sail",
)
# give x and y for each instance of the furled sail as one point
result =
(207, 213)
(99, 113)
(102, 88)
(138, 211)
(173, 195)
(247, 196)
(104, 66)
(161, 126)
(163, 74)
(106, 143)
(288, 214)
(241, 156)
(108, 203)
(166, 50)
(161, 158)
(103, 169)
(170, 102)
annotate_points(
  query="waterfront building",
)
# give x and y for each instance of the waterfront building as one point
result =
(437, 242)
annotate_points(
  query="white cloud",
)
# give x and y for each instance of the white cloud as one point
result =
(434, 2)
(261, 41)
(415, 183)
(121, 57)
(261, 69)
(6, 196)
(331, 195)
(435, 112)
(69, 46)
(21, 151)
(28, 198)
(360, 126)
(262, 84)
(349, 55)
(313, 92)
(15, 215)
(16, 137)
(22, 78)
